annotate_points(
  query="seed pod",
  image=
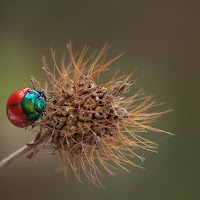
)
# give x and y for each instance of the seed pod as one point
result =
(89, 122)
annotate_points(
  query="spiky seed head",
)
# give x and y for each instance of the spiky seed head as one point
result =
(89, 123)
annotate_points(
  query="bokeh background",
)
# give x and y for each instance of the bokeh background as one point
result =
(159, 38)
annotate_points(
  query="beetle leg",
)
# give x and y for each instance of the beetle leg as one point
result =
(41, 92)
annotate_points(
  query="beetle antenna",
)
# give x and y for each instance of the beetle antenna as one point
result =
(33, 84)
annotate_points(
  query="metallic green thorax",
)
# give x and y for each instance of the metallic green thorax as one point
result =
(32, 105)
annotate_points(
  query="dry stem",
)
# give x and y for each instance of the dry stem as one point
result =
(26, 148)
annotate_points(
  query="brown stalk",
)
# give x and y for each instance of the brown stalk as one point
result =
(21, 151)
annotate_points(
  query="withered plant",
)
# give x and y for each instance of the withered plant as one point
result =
(91, 125)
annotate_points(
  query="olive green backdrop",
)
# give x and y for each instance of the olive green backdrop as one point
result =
(159, 38)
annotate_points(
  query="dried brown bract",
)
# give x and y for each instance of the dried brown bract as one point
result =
(91, 124)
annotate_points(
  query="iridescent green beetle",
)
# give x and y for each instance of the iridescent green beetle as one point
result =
(25, 106)
(33, 104)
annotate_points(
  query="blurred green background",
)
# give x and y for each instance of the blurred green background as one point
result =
(159, 38)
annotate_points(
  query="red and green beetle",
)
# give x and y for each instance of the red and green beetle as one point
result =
(25, 106)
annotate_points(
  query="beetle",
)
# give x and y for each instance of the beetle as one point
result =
(25, 106)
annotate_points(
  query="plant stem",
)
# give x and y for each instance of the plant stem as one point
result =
(13, 156)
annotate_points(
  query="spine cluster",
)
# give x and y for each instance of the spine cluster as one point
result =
(90, 124)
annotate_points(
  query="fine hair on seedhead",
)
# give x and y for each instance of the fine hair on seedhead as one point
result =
(91, 125)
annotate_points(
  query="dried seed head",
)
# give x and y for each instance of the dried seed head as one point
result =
(89, 123)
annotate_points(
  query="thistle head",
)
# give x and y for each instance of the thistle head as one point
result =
(90, 124)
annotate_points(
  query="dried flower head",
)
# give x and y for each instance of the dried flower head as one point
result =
(91, 124)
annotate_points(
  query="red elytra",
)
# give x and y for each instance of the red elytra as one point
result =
(14, 111)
